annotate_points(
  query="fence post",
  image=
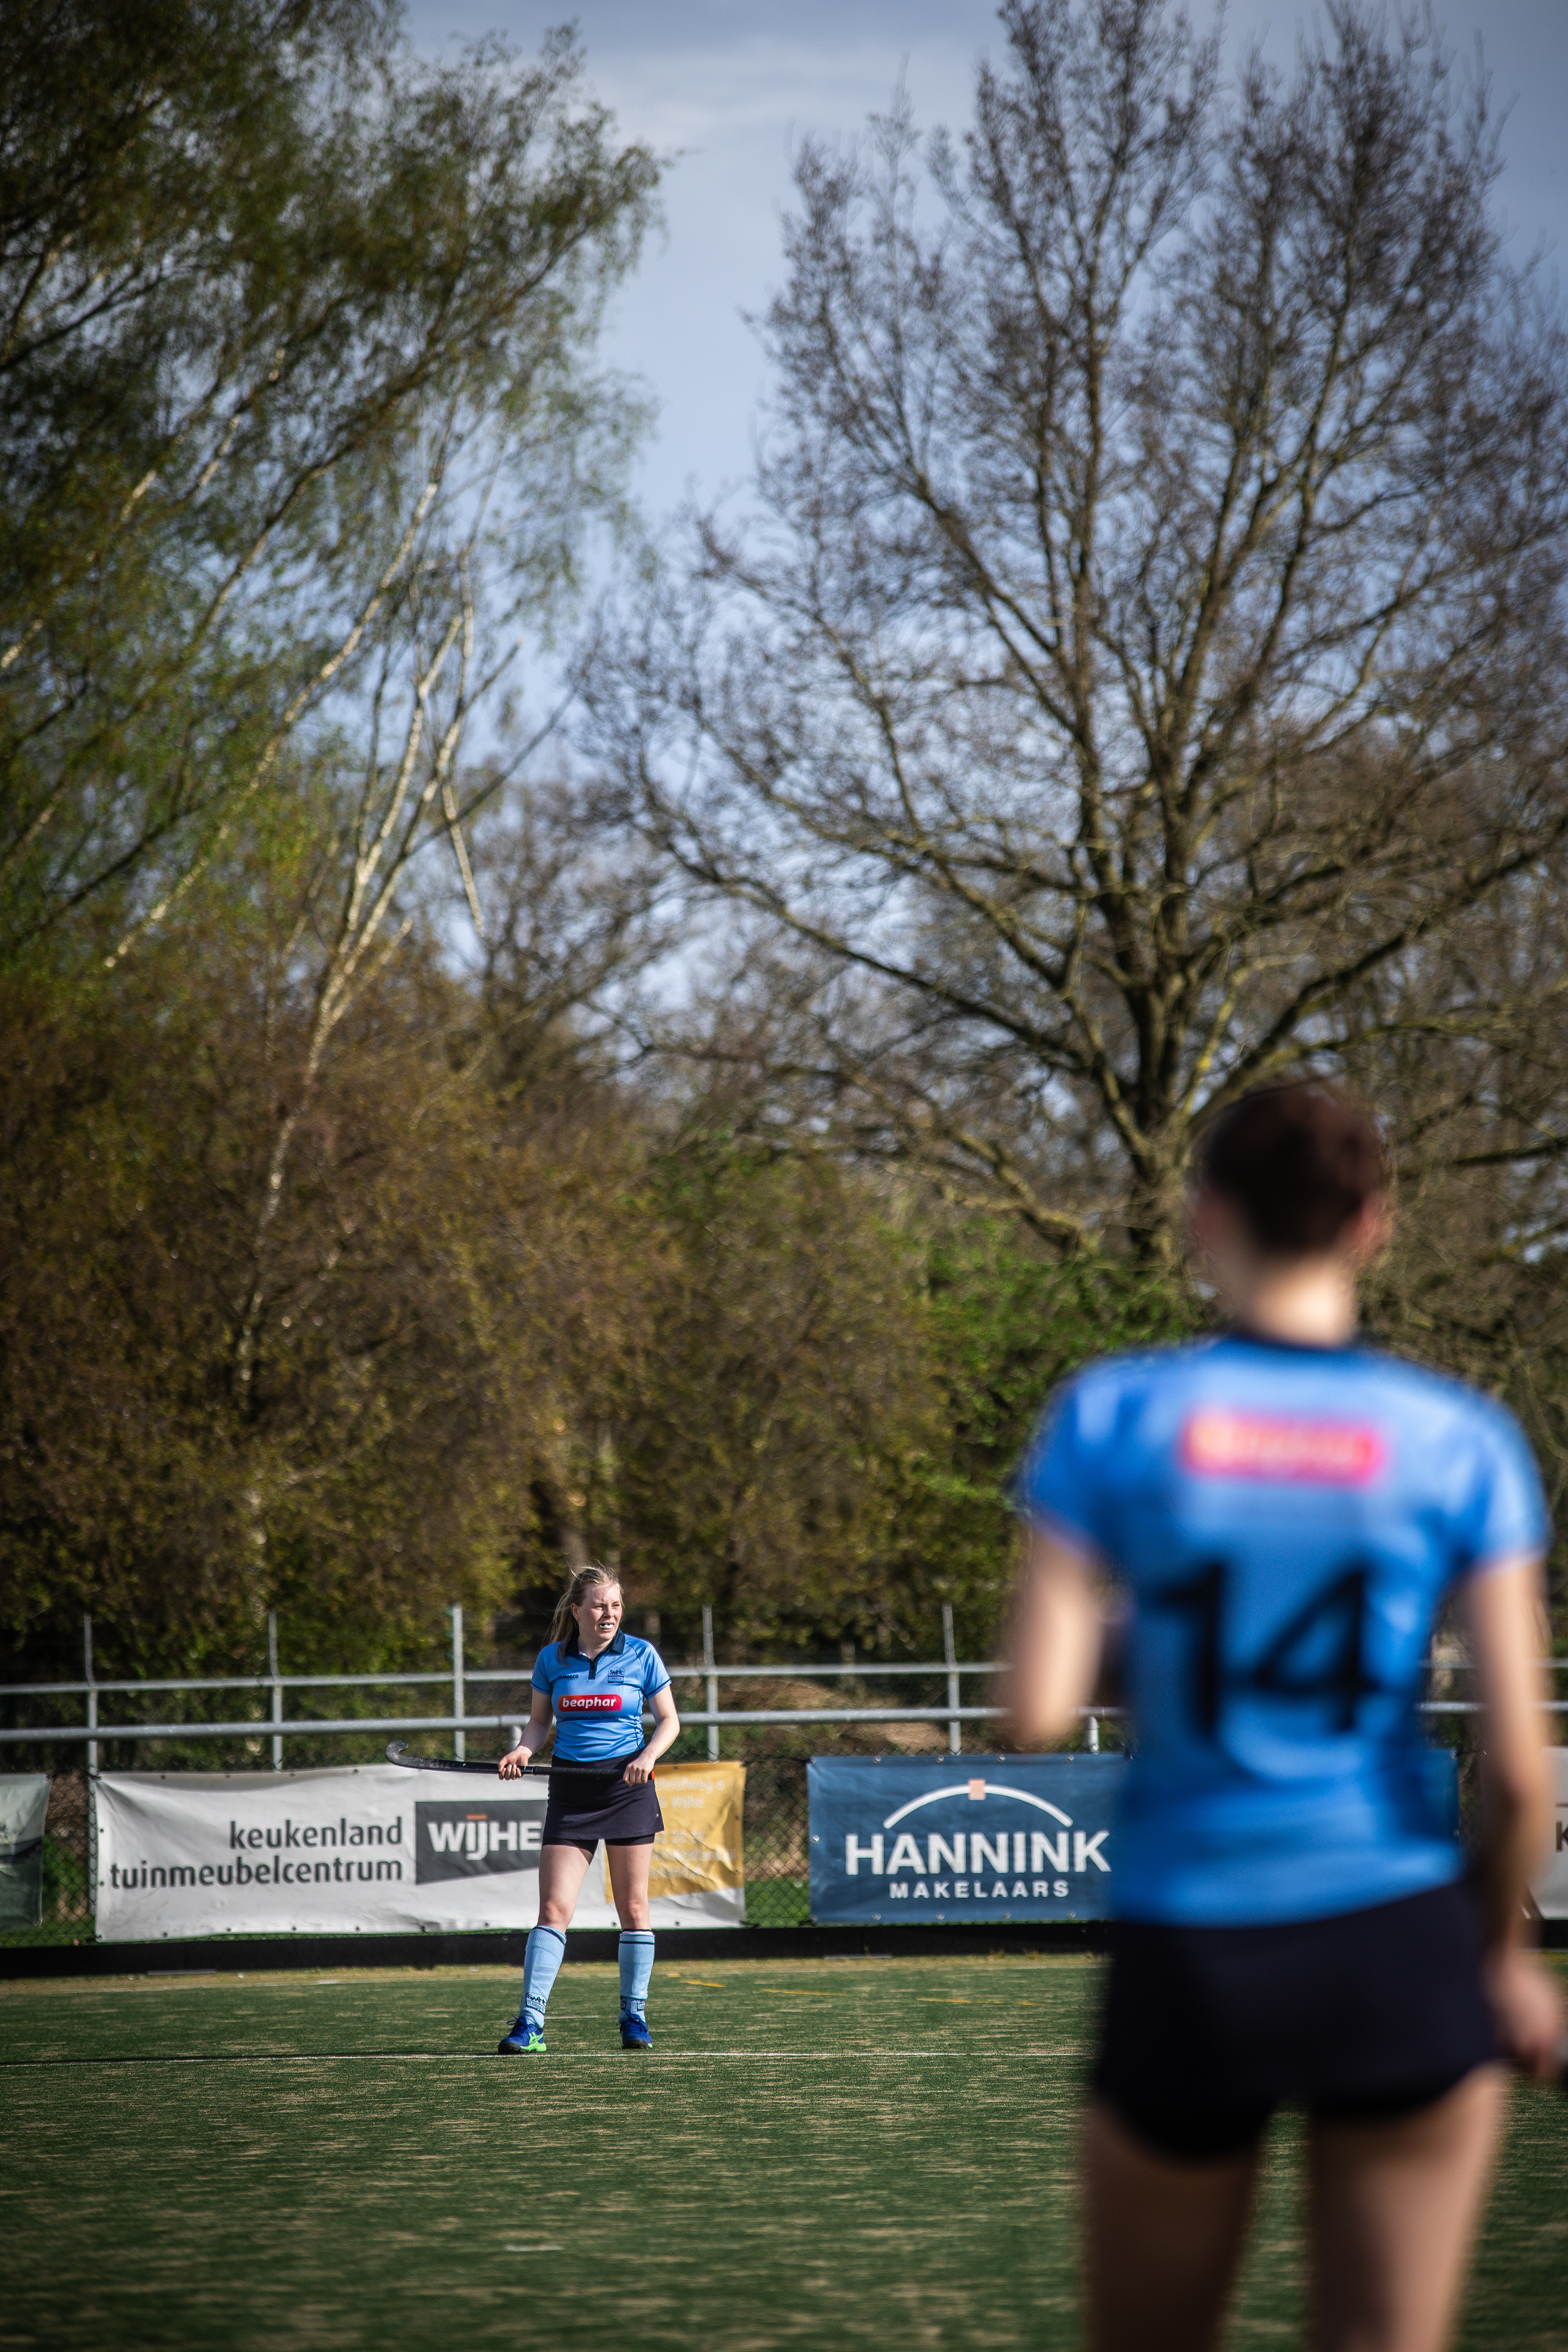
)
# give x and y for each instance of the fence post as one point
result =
(459, 1743)
(91, 1693)
(712, 1679)
(955, 1728)
(92, 1769)
(277, 1688)
(1091, 1735)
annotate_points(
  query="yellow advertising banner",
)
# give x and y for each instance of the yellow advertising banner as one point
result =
(699, 1852)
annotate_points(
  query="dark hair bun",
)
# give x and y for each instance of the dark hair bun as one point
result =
(1299, 1161)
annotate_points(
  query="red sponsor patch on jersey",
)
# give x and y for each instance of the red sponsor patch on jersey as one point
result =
(589, 1703)
(1218, 1442)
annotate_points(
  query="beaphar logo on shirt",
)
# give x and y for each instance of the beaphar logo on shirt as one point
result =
(1217, 1442)
(589, 1703)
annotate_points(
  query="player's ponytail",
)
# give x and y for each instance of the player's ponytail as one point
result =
(576, 1592)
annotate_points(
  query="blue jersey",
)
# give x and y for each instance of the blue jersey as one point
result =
(1287, 1521)
(598, 1702)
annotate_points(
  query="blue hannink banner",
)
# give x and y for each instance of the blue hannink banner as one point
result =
(897, 1838)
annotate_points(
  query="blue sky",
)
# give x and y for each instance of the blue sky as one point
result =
(734, 83)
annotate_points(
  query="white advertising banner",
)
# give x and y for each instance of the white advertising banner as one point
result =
(370, 1849)
(1550, 1886)
(24, 1802)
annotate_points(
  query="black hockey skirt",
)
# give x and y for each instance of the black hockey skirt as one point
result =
(1369, 2014)
(590, 1801)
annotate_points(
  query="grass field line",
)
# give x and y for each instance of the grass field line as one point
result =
(1009, 2051)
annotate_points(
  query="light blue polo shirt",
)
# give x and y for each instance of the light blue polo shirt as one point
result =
(597, 1703)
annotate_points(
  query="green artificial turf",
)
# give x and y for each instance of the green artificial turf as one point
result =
(818, 2154)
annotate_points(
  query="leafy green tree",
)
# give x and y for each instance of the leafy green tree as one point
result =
(294, 331)
(509, 1321)
(1008, 1320)
(783, 1383)
(443, 1268)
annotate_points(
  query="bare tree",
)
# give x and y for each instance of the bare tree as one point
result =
(1148, 650)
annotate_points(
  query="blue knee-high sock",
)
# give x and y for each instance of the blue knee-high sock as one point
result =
(636, 1969)
(545, 1950)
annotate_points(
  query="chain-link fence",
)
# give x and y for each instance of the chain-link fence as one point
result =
(777, 1869)
(50, 1899)
(776, 1850)
(777, 1874)
(777, 1861)
(249, 1722)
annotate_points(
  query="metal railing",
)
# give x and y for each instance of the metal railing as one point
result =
(460, 1719)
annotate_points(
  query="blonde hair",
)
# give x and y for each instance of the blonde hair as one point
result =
(581, 1584)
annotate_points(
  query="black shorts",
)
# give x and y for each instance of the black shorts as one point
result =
(1206, 2030)
(590, 1801)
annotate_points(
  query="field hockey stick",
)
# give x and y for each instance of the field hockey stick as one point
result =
(397, 1753)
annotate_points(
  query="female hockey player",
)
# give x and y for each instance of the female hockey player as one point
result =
(1286, 1511)
(590, 1682)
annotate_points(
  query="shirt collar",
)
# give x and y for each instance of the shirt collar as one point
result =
(1355, 1344)
(573, 1647)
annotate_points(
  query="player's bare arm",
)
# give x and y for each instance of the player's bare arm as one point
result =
(535, 1732)
(665, 1733)
(1503, 1611)
(1053, 1653)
